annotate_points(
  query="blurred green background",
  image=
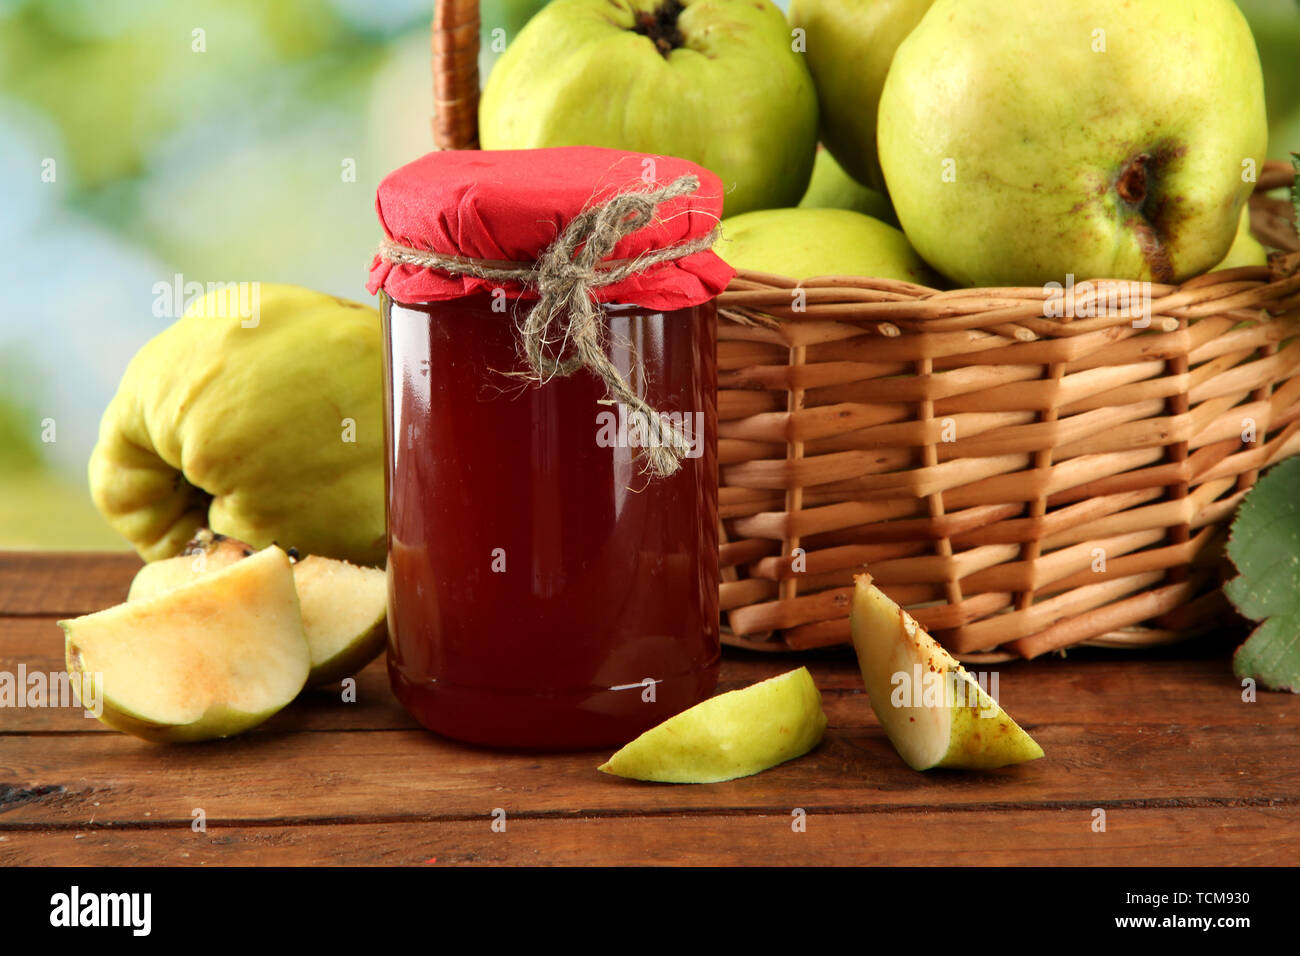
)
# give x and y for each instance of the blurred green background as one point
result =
(141, 139)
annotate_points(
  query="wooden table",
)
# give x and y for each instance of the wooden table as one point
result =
(1184, 770)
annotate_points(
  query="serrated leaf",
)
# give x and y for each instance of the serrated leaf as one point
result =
(1264, 544)
(1271, 655)
(1295, 189)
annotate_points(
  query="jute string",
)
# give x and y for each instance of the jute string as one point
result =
(566, 320)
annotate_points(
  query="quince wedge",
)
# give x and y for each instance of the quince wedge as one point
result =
(732, 735)
(344, 607)
(934, 712)
(206, 551)
(205, 661)
(265, 426)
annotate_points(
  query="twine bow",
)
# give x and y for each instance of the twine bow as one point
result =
(566, 319)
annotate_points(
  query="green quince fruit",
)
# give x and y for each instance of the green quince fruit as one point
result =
(1246, 250)
(1024, 142)
(802, 243)
(713, 81)
(265, 425)
(832, 188)
(850, 47)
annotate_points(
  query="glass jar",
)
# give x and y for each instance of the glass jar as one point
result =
(547, 587)
(544, 591)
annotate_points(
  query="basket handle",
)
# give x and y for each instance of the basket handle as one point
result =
(455, 74)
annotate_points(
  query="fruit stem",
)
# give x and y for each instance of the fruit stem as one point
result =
(660, 25)
(1132, 185)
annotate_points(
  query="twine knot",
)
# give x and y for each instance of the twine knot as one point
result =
(565, 329)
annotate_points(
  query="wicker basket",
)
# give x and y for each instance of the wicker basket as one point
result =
(1020, 483)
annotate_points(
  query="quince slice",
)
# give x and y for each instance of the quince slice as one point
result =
(207, 551)
(735, 734)
(345, 615)
(344, 607)
(208, 660)
(935, 714)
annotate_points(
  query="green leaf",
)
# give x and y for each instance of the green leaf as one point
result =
(1264, 544)
(1295, 189)
(1271, 655)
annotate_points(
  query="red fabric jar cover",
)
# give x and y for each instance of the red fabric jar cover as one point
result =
(509, 205)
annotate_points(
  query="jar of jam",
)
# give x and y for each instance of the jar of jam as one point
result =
(552, 494)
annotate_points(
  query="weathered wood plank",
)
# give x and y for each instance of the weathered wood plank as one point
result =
(1095, 690)
(1187, 772)
(1208, 836)
(70, 779)
(64, 583)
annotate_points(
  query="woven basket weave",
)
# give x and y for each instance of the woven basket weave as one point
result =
(1020, 483)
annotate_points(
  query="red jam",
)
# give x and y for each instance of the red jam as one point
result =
(544, 592)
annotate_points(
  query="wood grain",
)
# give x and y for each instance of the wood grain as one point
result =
(1186, 770)
(351, 776)
(1212, 836)
(64, 583)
